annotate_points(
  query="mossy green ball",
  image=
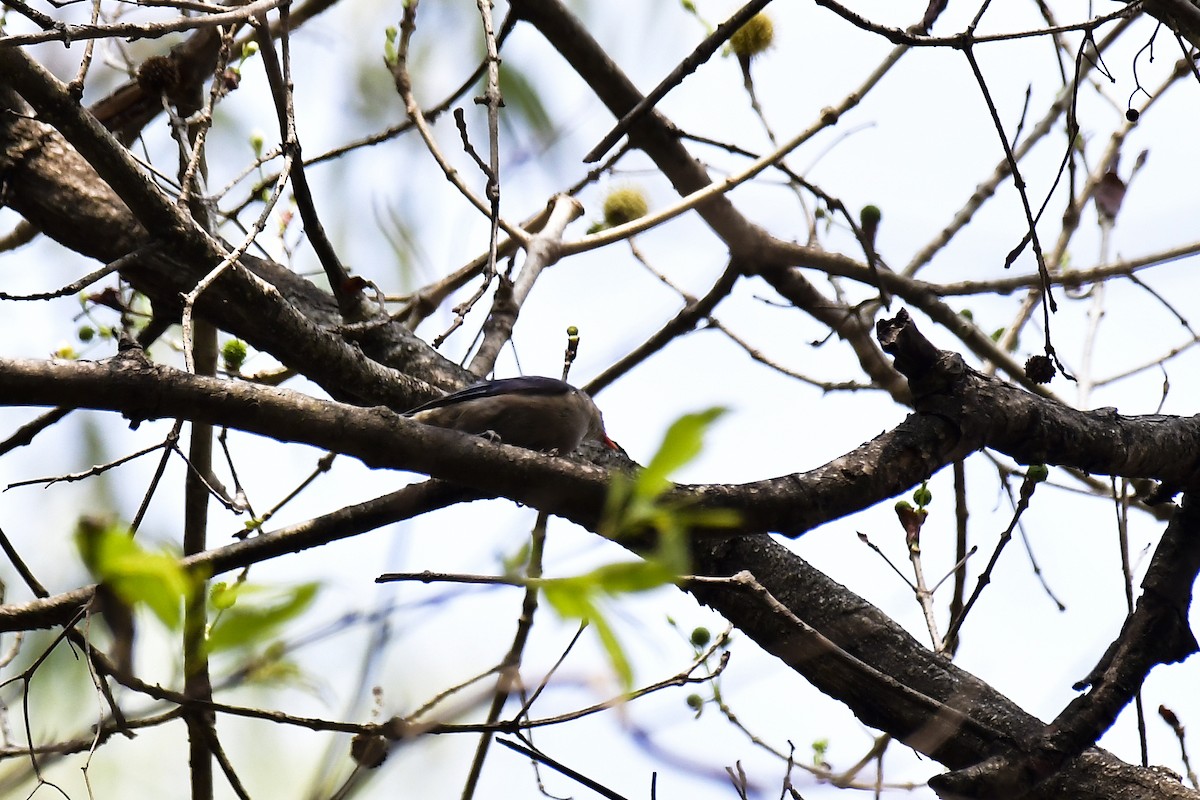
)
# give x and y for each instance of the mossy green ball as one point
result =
(624, 205)
(753, 38)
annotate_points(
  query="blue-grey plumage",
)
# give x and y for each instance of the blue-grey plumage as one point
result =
(533, 412)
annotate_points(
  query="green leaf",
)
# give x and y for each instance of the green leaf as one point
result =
(520, 96)
(612, 648)
(277, 673)
(625, 577)
(222, 596)
(573, 599)
(514, 564)
(569, 597)
(579, 597)
(682, 443)
(243, 623)
(637, 504)
(136, 575)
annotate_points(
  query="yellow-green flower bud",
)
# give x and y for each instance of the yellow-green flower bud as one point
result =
(234, 355)
(624, 205)
(754, 38)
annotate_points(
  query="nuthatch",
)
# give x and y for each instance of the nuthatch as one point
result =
(532, 412)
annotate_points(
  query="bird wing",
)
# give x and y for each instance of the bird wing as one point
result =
(527, 385)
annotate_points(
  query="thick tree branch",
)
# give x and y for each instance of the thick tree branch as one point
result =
(1155, 633)
(958, 411)
(869, 635)
(576, 491)
(59, 192)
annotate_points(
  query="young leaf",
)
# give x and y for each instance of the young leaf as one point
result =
(242, 623)
(682, 444)
(637, 504)
(521, 95)
(612, 647)
(136, 575)
(572, 598)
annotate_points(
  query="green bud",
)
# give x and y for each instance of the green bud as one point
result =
(222, 596)
(86, 333)
(1037, 473)
(390, 54)
(922, 496)
(701, 637)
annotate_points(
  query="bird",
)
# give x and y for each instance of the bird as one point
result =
(534, 412)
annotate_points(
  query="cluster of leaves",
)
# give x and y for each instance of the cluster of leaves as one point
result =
(637, 505)
(155, 579)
